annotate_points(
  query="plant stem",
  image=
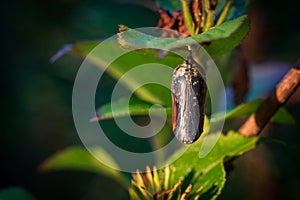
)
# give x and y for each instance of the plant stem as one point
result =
(197, 11)
(287, 86)
(203, 12)
(224, 12)
(187, 16)
(209, 16)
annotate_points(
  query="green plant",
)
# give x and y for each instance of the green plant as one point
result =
(192, 177)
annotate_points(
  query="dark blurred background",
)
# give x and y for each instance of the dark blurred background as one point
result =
(36, 95)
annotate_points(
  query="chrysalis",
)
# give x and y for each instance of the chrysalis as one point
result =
(188, 98)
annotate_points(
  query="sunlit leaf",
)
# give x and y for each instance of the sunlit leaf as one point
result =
(78, 158)
(216, 41)
(209, 171)
(136, 107)
(103, 57)
(282, 116)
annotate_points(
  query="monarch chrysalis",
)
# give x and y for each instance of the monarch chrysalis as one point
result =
(188, 98)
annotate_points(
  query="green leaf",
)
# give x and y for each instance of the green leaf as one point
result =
(136, 107)
(282, 116)
(244, 110)
(216, 41)
(227, 35)
(209, 171)
(78, 158)
(104, 55)
(15, 193)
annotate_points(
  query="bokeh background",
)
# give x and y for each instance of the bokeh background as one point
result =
(36, 118)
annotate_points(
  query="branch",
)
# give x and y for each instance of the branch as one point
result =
(284, 90)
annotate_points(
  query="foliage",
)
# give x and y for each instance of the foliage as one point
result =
(138, 107)
(216, 41)
(189, 172)
(78, 158)
(189, 176)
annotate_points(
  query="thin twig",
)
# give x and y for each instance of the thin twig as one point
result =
(287, 86)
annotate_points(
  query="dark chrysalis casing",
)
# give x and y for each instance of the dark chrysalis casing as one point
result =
(188, 98)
